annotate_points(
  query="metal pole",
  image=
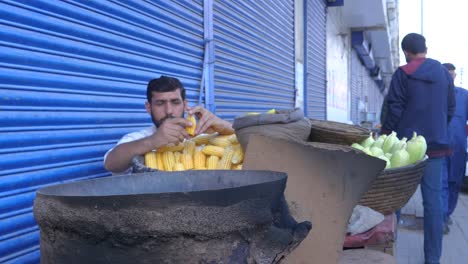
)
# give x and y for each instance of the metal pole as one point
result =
(422, 17)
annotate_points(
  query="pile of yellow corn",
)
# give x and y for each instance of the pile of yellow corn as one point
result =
(203, 152)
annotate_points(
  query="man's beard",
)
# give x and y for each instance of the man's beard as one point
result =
(157, 123)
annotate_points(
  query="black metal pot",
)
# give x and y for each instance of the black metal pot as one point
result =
(168, 217)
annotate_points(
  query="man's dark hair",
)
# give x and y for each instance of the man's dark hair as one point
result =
(449, 66)
(414, 43)
(164, 84)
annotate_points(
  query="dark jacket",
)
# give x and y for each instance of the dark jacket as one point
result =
(421, 98)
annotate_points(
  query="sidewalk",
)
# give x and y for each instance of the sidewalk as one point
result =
(409, 246)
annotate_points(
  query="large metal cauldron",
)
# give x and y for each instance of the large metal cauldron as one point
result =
(161, 217)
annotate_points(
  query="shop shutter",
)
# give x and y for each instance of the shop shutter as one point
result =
(73, 80)
(356, 69)
(254, 64)
(316, 56)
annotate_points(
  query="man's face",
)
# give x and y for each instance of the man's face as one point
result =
(165, 105)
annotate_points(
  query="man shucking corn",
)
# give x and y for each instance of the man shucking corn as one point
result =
(165, 104)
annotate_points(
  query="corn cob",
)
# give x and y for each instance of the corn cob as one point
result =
(203, 139)
(178, 167)
(238, 156)
(159, 161)
(233, 139)
(213, 150)
(225, 162)
(177, 156)
(191, 129)
(168, 160)
(237, 167)
(171, 148)
(212, 162)
(150, 160)
(187, 160)
(199, 159)
(189, 147)
(221, 141)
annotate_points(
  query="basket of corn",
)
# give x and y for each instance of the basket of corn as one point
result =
(336, 133)
(406, 162)
(203, 152)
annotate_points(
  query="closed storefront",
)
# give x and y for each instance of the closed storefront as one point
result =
(316, 85)
(73, 78)
(366, 96)
(254, 47)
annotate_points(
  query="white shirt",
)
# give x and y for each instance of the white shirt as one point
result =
(129, 138)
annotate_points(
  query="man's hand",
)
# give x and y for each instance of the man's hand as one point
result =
(208, 122)
(171, 131)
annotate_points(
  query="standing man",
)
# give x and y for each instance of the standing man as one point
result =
(165, 104)
(421, 99)
(457, 135)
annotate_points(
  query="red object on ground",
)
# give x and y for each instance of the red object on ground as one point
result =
(380, 234)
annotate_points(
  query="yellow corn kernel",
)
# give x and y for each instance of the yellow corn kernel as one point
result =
(178, 167)
(177, 156)
(203, 139)
(237, 166)
(221, 141)
(168, 160)
(159, 161)
(225, 162)
(238, 156)
(213, 150)
(212, 162)
(191, 129)
(199, 159)
(189, 147)
(187, 160)
(171, 147)
(233, 139)
(150, 160)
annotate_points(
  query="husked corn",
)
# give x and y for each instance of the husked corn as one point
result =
(191, 129)
(189, 147)
(238, 156)
(168, 160)
(199, 159)
(212, 162)
(220, 141)
(213, 150)
(187, 160)
(178, 167)
(233, 139)
(225, 162)
(172, 148)
(150, 160)
(159, 161)
(177, 156)
(237, 167)
(203, 139)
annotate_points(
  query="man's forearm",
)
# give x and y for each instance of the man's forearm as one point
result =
(120, 158)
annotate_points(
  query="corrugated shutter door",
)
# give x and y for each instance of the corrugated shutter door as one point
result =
(73, 80)
(254, 44)
(316, 52)
(355, 94)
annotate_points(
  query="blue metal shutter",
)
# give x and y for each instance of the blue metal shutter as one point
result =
(356, 86)
(316, 52)
(73, 80)
(254, 66)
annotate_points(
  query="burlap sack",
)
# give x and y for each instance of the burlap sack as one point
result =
(285, 124)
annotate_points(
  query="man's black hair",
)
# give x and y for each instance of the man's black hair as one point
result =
(414, 43)
(449, 66)
(164, 84)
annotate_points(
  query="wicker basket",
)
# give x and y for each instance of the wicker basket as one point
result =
(393, 188)
(336, 133)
